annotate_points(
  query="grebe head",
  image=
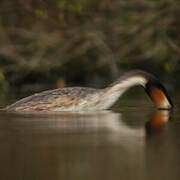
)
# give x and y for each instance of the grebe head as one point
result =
(158, 93)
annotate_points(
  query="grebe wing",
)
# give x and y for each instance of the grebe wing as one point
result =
(52, 99)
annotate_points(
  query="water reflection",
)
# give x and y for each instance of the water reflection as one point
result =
(84, 122)
(158, 121)
(99, 145)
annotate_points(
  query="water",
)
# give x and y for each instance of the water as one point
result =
(135, 142)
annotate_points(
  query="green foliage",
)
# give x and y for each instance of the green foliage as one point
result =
(42, 41)
(3, 85)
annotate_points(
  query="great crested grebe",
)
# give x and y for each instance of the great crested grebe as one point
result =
(90, 99)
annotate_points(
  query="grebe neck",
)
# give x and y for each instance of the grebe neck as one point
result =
(152, 86)
(123, 84)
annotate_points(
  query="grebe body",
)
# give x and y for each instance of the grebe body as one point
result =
(91, 99)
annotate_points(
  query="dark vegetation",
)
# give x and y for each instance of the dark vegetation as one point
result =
(47, 44)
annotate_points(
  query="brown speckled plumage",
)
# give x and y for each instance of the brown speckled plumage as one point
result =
(64, 98)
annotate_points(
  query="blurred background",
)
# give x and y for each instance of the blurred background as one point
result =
(48, 44)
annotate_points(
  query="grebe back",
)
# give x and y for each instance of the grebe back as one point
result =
(85, 99)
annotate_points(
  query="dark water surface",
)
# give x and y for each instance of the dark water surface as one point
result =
(133, 143)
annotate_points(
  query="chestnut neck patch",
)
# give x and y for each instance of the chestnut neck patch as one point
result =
(158, 96)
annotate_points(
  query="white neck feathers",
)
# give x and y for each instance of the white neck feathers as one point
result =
(114, 91)
(128, 82)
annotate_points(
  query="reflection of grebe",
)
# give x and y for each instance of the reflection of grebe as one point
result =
(158, 121)
(88, 122)
(92, 128)
(78, 98)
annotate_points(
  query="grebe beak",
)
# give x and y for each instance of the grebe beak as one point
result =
(159, 96)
